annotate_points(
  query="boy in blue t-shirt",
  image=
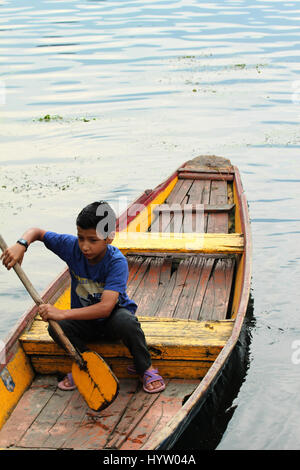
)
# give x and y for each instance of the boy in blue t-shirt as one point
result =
(100, 306)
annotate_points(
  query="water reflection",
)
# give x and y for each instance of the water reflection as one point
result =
(208, 426)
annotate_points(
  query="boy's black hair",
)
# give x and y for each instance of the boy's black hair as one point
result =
(98, 215)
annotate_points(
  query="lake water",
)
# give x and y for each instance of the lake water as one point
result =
(103, 99)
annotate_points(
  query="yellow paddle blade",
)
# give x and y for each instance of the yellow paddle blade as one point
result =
(96, 383)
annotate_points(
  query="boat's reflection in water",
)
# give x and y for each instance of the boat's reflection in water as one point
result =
(206, 429)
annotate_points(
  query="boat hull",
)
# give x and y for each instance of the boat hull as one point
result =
(193, 288)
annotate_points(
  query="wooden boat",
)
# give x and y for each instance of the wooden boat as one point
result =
(192, 288)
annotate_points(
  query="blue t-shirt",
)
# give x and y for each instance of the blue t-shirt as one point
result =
(89, 281)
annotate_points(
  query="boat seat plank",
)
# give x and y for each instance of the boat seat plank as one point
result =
(193, 207)
(180, 242)
(205, 176)
(179, 348)
(205, 169)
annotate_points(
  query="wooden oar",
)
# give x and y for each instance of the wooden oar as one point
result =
(92, 376)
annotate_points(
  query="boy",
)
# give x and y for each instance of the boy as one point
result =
(100, 306)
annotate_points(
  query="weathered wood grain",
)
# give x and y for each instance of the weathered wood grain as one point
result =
(157, 416)
(215, 302)
(218, 222)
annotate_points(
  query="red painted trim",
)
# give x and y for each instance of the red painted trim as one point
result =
(205, 176)
(145, 199)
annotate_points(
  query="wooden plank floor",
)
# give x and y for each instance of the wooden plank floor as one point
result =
(198, 287)
(191, 287)
(48, 418)
(194, 192)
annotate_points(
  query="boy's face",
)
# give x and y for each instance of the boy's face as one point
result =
(92, 247)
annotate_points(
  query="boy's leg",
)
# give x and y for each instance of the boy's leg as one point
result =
(123, 325)
(79, 332)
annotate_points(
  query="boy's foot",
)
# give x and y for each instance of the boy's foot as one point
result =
(153, 382)
(67, 383)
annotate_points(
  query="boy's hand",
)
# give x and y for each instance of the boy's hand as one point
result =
(49, 312)
(13, 255)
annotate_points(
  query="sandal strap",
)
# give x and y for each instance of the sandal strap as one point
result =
(70, 378)
(152, 376)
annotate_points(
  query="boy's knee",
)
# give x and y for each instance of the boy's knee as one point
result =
(125, 323)
(63, 325)
(132, 324)
(50, 331)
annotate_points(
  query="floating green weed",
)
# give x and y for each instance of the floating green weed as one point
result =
(48, 117)
(56, 117)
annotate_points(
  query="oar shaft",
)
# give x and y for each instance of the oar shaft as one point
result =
(38, 300)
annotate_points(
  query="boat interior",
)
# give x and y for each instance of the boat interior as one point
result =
(186, 308)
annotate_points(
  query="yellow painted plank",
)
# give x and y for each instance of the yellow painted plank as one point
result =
(179, 348)
(166, 339)
(168, 368)
(179, 242)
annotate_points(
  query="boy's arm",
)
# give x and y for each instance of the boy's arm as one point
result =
(14, 254)
(101, 309)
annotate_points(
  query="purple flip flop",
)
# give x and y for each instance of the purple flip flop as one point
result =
(149, 376)
(153, 376)
(61, 385)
